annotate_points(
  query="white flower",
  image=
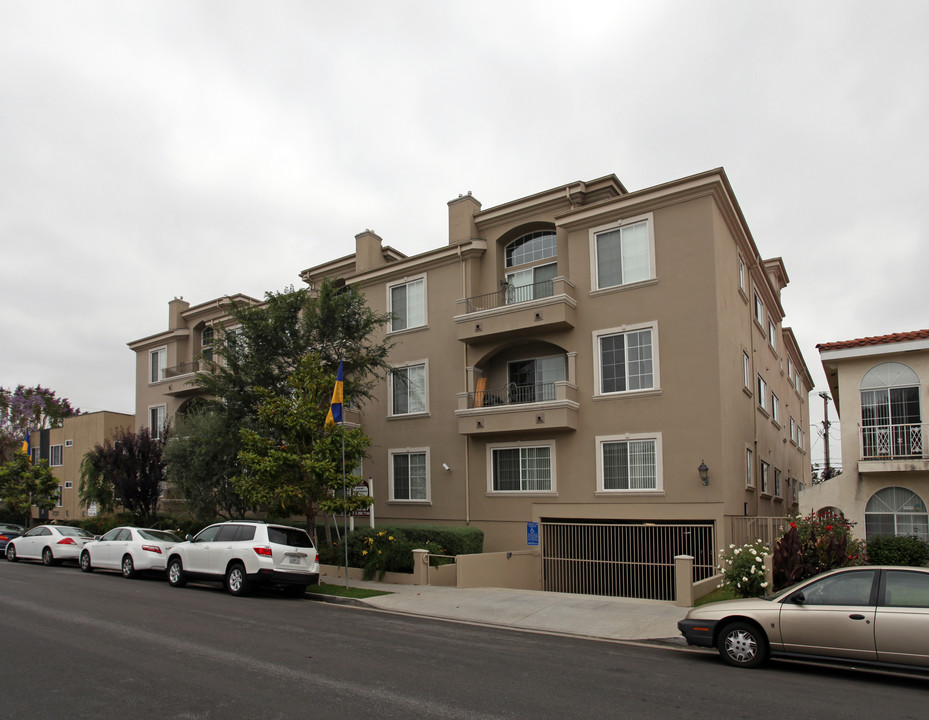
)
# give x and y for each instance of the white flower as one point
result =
(744, 579)
(736, 551)
(764, 584)
(753, 551)
(730, 547)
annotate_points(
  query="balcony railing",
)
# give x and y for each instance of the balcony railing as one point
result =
(510, 295)
(893, 442)
(182, 369)
(512, 394)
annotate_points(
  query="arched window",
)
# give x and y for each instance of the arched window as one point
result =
(896, 511)
(535, 281)
(891, 421)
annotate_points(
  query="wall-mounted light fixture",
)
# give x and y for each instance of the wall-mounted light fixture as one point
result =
(704, 473)
(446, 467)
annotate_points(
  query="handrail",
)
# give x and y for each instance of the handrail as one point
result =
(510, 295)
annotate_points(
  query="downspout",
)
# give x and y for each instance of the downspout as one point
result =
(467, 438)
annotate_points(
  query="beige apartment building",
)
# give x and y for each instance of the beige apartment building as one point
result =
(602, 372)
(877, 389)
(64, 449)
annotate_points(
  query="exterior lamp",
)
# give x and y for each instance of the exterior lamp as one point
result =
(704, 473)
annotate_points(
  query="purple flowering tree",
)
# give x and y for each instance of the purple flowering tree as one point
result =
(29, 408)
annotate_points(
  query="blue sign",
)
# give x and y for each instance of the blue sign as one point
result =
(532, 533)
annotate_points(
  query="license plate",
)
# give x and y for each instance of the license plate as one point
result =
(294, 559)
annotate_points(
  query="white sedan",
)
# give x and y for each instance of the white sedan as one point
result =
(49, 543)
(130, 550)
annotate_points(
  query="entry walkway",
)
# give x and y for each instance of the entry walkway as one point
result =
(582, 615)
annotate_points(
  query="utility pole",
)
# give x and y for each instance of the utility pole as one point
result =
(827, 470)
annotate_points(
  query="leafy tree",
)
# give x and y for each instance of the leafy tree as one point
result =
(24, 485)
(29, 408)
(293, 463)
(201, 460)
(127, 471)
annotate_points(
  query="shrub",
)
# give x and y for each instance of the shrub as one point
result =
(898, 550)
(390, 548)
(743, 569)
(814, 544)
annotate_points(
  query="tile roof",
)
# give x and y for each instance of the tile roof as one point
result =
(876, 340)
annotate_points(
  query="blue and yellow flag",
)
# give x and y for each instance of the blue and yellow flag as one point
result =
(335, 407)
(26, 444)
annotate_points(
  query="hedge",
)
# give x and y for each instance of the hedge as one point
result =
(898, 550)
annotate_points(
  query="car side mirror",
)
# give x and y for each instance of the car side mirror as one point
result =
(798, 598)
(188, 537)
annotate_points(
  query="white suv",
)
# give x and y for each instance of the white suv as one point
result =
(242, 554)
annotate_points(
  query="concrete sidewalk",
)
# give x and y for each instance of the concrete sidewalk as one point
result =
(562, 613)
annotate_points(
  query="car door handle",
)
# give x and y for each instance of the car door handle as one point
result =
(856, 616)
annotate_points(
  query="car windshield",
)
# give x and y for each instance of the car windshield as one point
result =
(294, 537)
(73, 531)
(159, 536)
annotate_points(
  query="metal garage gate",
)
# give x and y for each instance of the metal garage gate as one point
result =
(622, 559)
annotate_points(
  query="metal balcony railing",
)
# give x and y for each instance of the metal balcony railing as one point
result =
(182, 369)
(512, 394)
(510, 295)
(893, 442)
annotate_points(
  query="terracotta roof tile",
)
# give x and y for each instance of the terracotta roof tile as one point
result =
(876, 340)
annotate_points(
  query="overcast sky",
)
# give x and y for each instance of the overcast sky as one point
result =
(198, 149)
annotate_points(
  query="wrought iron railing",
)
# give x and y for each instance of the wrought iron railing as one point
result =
(182, 369)
(510, 295)
(512, 394)
(891, 442)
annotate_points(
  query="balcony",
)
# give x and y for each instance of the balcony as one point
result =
(518, 310)
(893, 448)
(541, 408)
(187, 368)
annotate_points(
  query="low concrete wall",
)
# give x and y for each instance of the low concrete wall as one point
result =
(333, 573)
(519, 569)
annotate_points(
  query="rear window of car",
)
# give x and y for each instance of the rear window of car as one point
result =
(294, 537)
(159, 536)
(73, 531)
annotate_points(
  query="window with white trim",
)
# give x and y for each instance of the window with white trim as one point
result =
(533, 379)
(765, 468)
(408, 389)
(408, 304)
(749, 468)
(741, 274)
(759, 310)
(775, 409)
(762, 394)
(772, 335)
(629, 463)
(627, 361)
(533, 249)
(623, 253)
(524, 468)
(68, 484)
(158, 360)
(777, 483)
(55, 455)
(58, 501)
(207, 338)
(156, 417)
(746, 370)
(409, 475)
(793, 431)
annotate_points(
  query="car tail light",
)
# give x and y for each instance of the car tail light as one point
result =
(67, 541)
(3, 537)
(263, 550)
(152, 548)
(317, 558)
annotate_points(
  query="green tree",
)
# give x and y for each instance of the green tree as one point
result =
(293, 463)
(24, 485)
(201, 460)
(28, 408)
(127, 471)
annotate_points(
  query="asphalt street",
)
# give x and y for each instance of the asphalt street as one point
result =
(100, 646)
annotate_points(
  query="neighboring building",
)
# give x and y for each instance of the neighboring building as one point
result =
(166, 363)
(570, 359)
(875, 384)
(64, 449)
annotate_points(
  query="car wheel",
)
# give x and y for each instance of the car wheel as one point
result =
(743, 645)
(11, 553)
(236, 581)
(85, 562)
(128, 567)
(47, 557)
(176, 576)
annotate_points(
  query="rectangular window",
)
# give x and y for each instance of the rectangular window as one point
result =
(628, 463)
(746, 370)
(55, 455)
(531, 283)
(793, 431)
(158, 360)
(534, 380)
(628, 360)
(623, 255)
(764, 477)
(742, 274)
(762, 394)
(408, 305)
(790, 371)
(772, 334)
(58, 503)
(777, 483)
(775, 409)
(795, 489)
(68, 484)
(156, 417)
(749, 469)
(408, 390)
(759, 310)
(409, 478)
(521, 469)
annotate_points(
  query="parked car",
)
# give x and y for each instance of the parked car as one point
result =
(129, 549)
(7, 533)
(52, 544)
(243, 554)
(861, 615)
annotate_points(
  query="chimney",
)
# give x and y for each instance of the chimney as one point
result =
(461, 212)
(176, 308)
(368, 251)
